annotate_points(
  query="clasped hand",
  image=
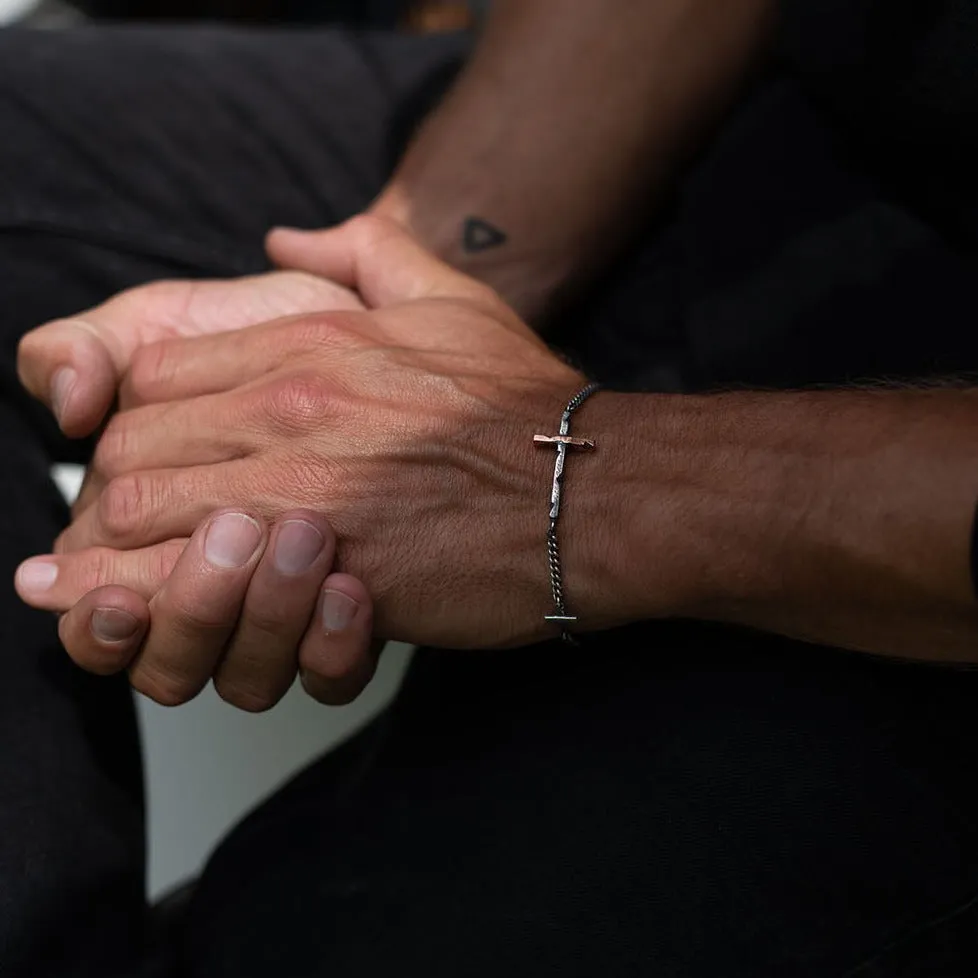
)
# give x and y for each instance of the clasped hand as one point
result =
(405, 428)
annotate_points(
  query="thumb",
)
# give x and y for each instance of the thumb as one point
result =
(373, 255)
(57, 582)
(69, 367)
(75, 365)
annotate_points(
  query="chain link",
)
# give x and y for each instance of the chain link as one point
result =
(553, 546)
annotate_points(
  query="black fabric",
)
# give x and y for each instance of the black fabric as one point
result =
(901, 81)
(680, 800)
(130, 155)
(673, 799)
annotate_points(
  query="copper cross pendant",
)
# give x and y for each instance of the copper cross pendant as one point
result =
(584, 443)
(563, 441)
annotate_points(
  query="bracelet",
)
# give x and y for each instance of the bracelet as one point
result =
(563, 442)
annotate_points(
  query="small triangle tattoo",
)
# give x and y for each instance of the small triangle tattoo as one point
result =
(479, 235)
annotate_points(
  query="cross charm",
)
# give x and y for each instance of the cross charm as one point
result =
(563, 442)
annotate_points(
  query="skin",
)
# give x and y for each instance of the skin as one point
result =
(564, 130)
(506, 148)
(308, 398)
(840, 517)
(250, 627)
(76, 366)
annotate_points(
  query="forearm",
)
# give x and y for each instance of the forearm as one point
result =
(563, 126)
(836, 517)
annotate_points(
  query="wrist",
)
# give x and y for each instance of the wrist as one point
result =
(605, 532)
(529, 280)
(663, 519)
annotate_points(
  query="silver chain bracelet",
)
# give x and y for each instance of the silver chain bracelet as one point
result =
(563, 441)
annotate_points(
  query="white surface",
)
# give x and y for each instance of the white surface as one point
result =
(68, 478)
(11, 10)
(208, 764)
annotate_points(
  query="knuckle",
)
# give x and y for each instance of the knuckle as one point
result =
(334, 668)
(163, 686)
(120, 506)
(247, 696)
(113, 448)
(201, 622)
(164, 558)
(328, 692)
(266, 622)
(296, 402)
(98, 568)
(149, 371)
(369, 229)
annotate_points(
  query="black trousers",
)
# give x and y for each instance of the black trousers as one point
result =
(670, 800)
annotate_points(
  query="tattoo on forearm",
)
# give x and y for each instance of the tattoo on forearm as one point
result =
(479, 235)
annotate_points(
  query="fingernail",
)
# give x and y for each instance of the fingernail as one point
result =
(338, 612)
(37, 576)
(231, 540)
(62, 385)
(113, 625)
(297, 546)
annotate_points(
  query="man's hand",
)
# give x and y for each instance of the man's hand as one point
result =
(75, 365)
(411, 427)
(239, 604)
(839, 517)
